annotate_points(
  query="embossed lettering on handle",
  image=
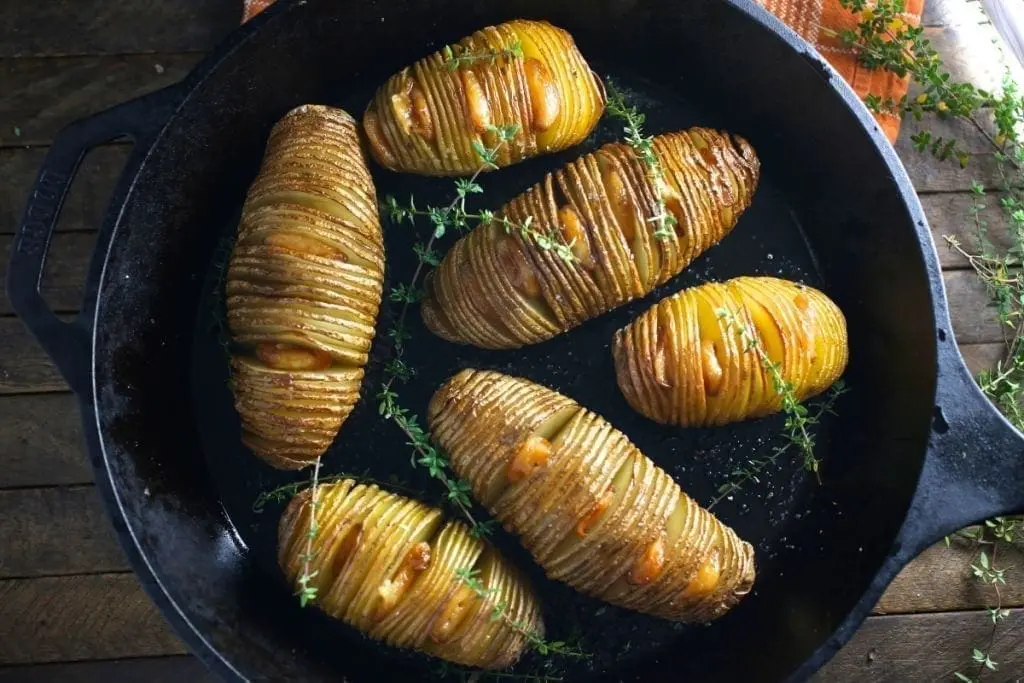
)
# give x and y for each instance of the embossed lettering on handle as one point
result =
(41, 213)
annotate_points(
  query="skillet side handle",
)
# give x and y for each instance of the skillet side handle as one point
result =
(140, 120)
(975, 464)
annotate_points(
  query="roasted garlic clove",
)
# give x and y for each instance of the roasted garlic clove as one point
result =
(303, 287)
(712, 375)
(501, 291)
(598, 514)
(428, 117)
(390, 567)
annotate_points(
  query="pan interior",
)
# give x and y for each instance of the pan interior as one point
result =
(821, 216)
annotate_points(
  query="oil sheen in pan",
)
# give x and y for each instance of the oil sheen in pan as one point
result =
(768, 240)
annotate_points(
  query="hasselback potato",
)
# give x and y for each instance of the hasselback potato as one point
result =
(529, 74)
(591, 508)
(388, 566)
(303, 287)
(682, 362)
(497, 290)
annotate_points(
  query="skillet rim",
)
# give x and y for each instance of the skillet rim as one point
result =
(148, 576)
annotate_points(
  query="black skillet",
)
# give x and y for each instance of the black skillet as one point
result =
(914, 453)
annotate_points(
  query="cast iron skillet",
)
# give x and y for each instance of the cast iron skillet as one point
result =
(914, 453)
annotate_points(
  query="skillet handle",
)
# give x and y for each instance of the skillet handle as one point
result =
(974, 469)
(140, 120)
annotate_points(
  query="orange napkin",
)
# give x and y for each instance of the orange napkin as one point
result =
(814, 20)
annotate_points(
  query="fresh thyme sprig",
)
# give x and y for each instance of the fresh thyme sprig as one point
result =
(285, 492)
(643, 146)
(426, 454)
(456, 56)
(986, 541)
(885, 41)
(454, 217)
(754, 468)
(471, 578)
(307, 592)
(798, 418)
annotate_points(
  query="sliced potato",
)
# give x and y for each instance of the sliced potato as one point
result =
(500, 291)
(429, 117)
(597, 514)
(303, 287)
(390, 567)
(792, 325)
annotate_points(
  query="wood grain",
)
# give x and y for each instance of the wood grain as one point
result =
(24, 366)
(56, 531)
(61, 27)
(974, 320)
(41, 96)
(940, 580)
(949, 214)
(64, 274)
(926, 647)
(86, 201)
(67, 618)
(172, 669)
(41, 442)
(930, 175)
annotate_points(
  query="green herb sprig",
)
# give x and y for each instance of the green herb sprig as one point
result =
(457, 56)
(643, 146)
(798, 418)
(455, 217)
(752, 469)
(307, 592)
(986, 541)
(499, 612)
(884, 41)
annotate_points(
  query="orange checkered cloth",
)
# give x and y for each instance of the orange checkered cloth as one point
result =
(817, 22)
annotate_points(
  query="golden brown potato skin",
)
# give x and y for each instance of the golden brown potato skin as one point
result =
(387, 565)
(425, 118)
(499, 291)
(591, 508)
(303, 287)
(679, 363)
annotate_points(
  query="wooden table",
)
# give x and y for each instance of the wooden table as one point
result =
(70, 609)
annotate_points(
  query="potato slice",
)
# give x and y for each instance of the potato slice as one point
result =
(487, 294)
(303, 286)
(793, 326)
(600, 515)
(390, 567)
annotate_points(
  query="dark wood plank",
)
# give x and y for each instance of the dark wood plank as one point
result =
(41, 442)
(982, 356)
(927, 647)
(67, 618)
(174, 669)
(974, 320)
(930, 175)
(83, 207)
(56, 531)
(64, 274)
(41, 96)
(940, 580)
(70, 27)
(24, 366)
(949, 214)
